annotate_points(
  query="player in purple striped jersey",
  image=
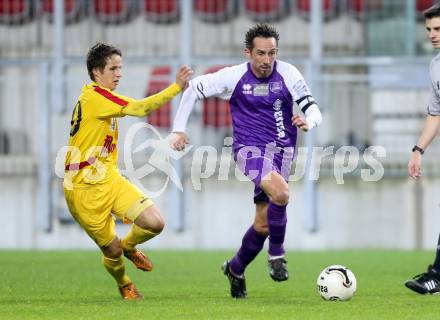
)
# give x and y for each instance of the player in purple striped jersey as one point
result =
(429, 281)
(261, 93)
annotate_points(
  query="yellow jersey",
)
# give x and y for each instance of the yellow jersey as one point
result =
(92, 156)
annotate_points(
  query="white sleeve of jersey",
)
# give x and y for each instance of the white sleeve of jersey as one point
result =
(301, 94)
(434, 102)
(189, 99)
(219, 84)
(313, 116)
(294, 80)
(434, 99)
(434, 89)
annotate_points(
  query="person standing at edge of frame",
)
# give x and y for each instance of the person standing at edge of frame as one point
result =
(429, 281)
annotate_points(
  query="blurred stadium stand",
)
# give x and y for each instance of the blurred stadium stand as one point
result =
(14, 142)
(15, 12)
(159, 80)
(329, 8)
(162, 11)
(74, 10)
(268, 11)
(352, 27)
(216, 11)
(373, 86)
(422, 5)
(115, 11)
(216, 112)
(363, 9)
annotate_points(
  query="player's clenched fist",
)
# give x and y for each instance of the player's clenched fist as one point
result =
(179, 141)
(183, 76)
(300, 122)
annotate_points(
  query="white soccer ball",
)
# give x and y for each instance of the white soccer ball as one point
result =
(336, 282)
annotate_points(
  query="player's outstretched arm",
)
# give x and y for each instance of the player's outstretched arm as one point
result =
(430, 130)
(180, 139)
(140, 108)
(201, 87)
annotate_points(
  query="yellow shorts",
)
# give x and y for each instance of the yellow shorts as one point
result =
(92, 205)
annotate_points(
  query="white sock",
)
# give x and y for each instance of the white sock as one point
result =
(270, 258)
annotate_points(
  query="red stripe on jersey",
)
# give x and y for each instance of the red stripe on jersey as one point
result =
(78, 166)
(112, 97)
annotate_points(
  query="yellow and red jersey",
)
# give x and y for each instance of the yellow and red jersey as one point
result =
(93, 156)
(94, 132)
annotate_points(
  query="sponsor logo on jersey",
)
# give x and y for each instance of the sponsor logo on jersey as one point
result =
(277, 105)
(109, 146)
(261, 90)
(247, 88)
(276, 86)
(279, 119)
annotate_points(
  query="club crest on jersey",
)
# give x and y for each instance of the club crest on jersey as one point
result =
(247, 88)
(261, 90)
(276, 86)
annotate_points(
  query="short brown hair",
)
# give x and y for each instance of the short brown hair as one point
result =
(98, 55)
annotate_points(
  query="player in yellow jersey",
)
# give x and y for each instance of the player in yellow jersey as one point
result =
(93, 186)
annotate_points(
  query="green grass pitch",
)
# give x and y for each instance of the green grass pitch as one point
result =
(189, 285)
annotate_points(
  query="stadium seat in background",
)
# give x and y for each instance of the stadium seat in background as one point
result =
(162, 11)
(215, 11)
(115, 11)
(15, 12)
(362, 8)
(304, 7)
(267, 10)
(14, 142)
(4, 143)
(74, 10)
(159, 80)
(422, 5)
(216, 112)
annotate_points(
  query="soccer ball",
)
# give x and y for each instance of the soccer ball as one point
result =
(336, 282)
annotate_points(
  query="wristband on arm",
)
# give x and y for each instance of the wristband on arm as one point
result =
(417, 148)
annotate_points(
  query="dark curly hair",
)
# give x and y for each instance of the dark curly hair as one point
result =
(432, 12)
(262, 30)
(98, 55)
